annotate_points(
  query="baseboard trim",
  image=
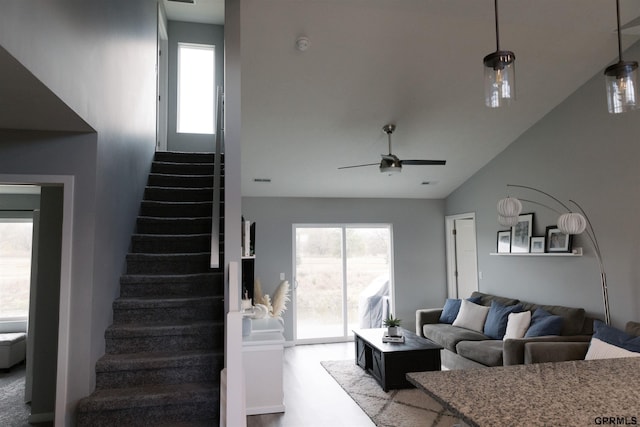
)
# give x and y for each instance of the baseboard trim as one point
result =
(41, 418)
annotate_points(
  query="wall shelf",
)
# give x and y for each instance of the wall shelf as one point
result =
(576, 252)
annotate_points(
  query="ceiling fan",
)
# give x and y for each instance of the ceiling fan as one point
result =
(390, 163)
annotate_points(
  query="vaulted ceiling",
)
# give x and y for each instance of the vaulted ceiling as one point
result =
(415, 63)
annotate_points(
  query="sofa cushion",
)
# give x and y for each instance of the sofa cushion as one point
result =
(485, 299)
(517, 325)
(448, 335)
(633, 328)
(602, 350)
(544, 323)
(496, 324)
(452, 308)
(487, 352)
(471, 316)
(616, 337)
(573, 317)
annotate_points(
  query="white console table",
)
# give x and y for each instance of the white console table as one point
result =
(262, 354)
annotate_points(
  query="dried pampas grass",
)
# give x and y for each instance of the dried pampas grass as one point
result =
(280, 299)
(257, 292)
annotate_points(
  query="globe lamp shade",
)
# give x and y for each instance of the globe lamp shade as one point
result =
(507, 221)
(509, 207)
(572, 223)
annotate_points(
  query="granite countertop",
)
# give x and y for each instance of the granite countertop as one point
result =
(577, 393)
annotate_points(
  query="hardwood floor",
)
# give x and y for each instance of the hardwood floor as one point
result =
(312, 397)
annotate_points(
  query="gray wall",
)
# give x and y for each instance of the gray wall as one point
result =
(580, 152)
(187, 32)
(47, 301)
(418, 243)
(99, 57)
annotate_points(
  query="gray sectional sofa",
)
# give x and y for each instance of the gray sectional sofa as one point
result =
(466, 349)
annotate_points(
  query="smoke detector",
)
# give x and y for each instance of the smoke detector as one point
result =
(303, 43)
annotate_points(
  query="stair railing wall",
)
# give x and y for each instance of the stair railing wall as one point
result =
(217, 172)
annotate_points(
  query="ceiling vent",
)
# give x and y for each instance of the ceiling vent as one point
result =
(183, 1)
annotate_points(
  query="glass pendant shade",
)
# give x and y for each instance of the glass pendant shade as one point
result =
(572, 223)
(499, 78)
(509, 207)
(622, 86)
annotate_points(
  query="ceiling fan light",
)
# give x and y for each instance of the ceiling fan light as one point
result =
(621, 80)
(390, 166)
(499, 78)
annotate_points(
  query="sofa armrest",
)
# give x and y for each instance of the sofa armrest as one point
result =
(426, 316)
(542, 352)
(513, 349)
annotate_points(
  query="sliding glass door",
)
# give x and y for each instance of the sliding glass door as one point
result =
(342, 279)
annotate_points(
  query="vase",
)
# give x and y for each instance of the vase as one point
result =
(392, 331)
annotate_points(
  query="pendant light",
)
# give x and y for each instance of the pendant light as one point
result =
(499, 73)
(621, 80)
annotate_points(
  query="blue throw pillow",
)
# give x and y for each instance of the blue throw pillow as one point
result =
(616, 337)
(496, 324)
(450, 310)
(544, 323)
(452, 307)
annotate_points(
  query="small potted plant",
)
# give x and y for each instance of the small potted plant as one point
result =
(392, 324)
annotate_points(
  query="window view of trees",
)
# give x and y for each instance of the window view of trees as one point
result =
(15, 268)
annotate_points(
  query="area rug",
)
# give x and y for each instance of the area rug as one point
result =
(395, 408)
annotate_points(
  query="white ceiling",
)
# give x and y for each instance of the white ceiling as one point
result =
(415, 63)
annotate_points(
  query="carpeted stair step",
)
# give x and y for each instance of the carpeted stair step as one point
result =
(184, 157)
(168, 263)
(158, 310)
(181, 181)
(176, 209)
(181, 168)
(170, 243)
(121, 339)
(159, 225)
(177, 194)
(149, 406)
(173, 285)
(136, 369)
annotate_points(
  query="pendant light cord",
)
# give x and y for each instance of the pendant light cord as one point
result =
(495, 6)
(619, 37)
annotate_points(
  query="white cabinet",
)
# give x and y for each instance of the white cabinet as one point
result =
(262, 354)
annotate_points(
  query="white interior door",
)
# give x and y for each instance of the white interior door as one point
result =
(462, 257)
(466, 257)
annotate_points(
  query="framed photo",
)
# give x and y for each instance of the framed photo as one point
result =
(557, 241)
(521, 233)
(537, 245)
(504, 242)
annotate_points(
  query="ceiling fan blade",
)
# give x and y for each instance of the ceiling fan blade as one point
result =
(359, 166)
(424, 162)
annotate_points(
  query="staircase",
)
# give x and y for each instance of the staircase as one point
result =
(164, 350)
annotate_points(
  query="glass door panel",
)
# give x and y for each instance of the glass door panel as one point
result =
(342, 278)
(368, 270)
(319, 278)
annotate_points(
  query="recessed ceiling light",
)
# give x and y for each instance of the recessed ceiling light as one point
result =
(261, 179)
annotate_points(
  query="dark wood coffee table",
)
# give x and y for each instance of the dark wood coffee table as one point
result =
(389, 363)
